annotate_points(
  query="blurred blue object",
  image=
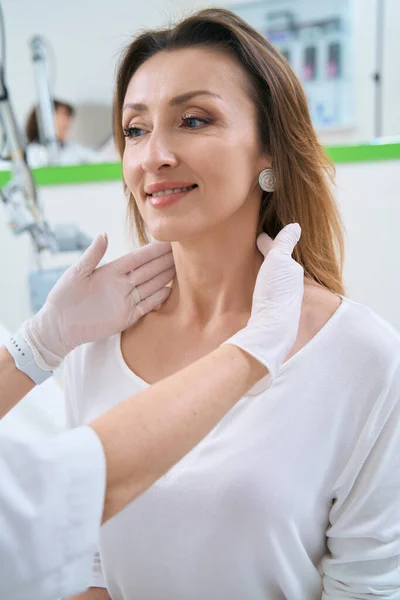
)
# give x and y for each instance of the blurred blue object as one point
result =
(70, 238)
(40, 284)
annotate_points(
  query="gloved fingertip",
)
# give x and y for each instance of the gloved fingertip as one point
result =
(287, 238)
(264, 243)
(102, 238)
(162, 294)
(92, 255)
(295, 230)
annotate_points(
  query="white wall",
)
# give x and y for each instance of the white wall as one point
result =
(88, 35)
(368, 195)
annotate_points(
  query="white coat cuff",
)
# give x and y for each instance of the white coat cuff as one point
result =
(87, 476)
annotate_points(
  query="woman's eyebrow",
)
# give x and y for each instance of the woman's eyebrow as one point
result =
(141, 107)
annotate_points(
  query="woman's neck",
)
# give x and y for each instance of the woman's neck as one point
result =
(215, 277)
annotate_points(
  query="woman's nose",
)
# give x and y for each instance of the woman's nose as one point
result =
(158, 153)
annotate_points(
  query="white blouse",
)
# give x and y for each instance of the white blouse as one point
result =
(294, 495)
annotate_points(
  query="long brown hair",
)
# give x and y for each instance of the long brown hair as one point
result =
(32, 126)
(304, 173)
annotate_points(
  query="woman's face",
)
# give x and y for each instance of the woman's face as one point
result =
(190, 123)
(63, 122)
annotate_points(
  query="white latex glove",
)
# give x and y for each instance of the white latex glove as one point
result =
(89, 304)
(274, 322)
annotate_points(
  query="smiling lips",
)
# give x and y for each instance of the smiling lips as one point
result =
(165, 193)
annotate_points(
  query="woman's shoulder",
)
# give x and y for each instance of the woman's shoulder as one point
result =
(354, 329)
(370, 328)
(366, 341)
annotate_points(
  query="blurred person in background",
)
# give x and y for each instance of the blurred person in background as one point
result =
(71, 153)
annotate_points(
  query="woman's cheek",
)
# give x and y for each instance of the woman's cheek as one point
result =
(128, 171)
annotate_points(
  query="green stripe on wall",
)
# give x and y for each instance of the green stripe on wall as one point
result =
(112, 171)
(72, 174)
(363, 153)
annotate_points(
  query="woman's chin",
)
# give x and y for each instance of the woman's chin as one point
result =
(167, 233)
(176, 230)
(163, 237)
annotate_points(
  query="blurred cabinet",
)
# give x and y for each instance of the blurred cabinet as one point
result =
(316, 38)
(391, 68)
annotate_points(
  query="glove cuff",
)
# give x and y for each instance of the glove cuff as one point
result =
(257, 349)
(44, 358)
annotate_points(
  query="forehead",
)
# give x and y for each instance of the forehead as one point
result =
(63, 110)
(168, 74)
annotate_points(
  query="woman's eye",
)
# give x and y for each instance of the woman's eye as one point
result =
(189, 122)
(133, 132)
(194, 122)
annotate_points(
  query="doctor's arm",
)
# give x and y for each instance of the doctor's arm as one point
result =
(144, 436)
(14, 384)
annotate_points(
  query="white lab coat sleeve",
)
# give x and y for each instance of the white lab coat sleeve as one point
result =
(97, 579)
(51, 506)
(363, 537)
(74, 364)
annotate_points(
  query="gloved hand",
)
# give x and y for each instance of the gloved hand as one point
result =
(273, 326)
(89, 304)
